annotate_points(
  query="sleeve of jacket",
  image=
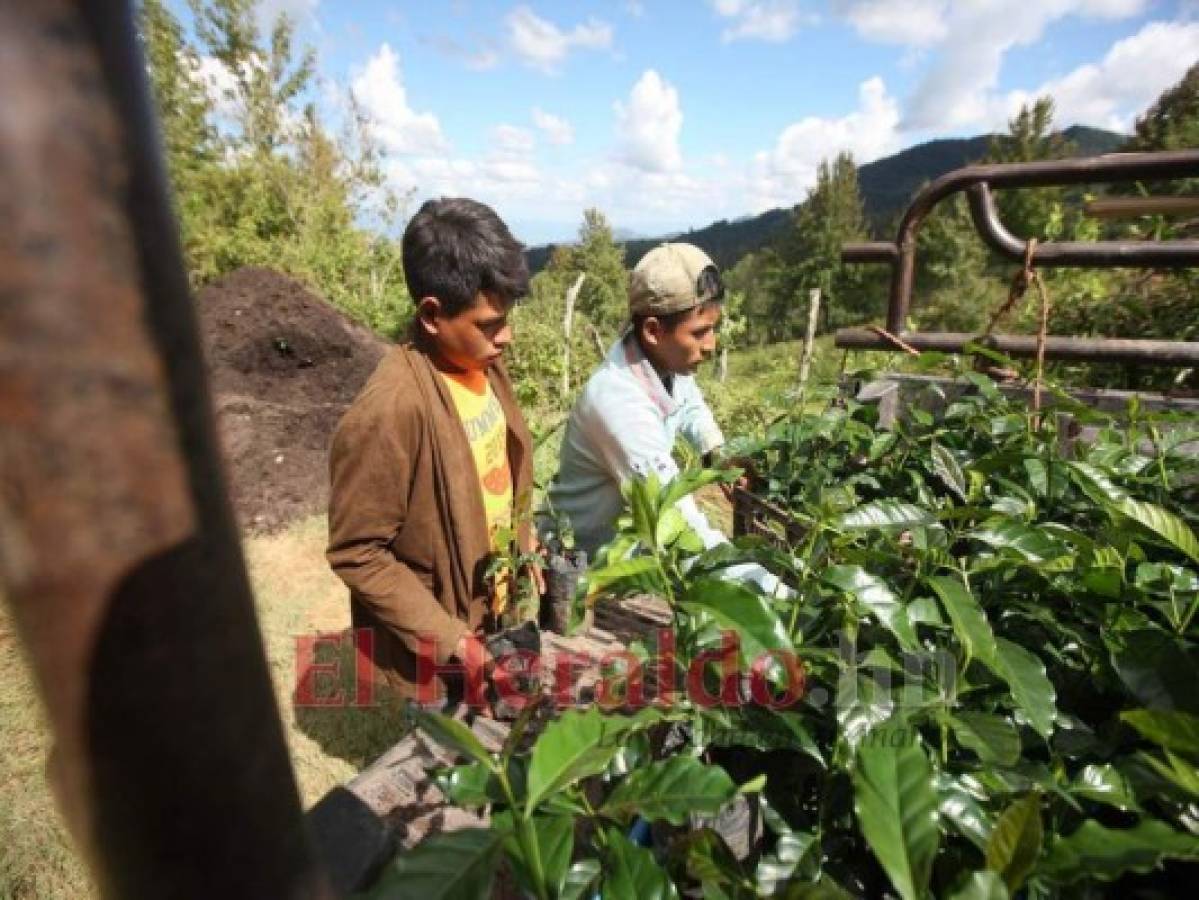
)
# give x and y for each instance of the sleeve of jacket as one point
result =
(698, 425)
(630, 441)
(370, 468)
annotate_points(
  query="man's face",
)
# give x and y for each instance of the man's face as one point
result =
(471, 340)
(680, 350)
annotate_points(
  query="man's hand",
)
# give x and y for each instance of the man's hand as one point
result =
(714, 460)
(473, 653)
(535, 571)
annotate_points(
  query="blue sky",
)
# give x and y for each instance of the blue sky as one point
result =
(668, 114)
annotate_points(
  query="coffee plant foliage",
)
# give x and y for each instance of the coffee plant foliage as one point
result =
(996, 618)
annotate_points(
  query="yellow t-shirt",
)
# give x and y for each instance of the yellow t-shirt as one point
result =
(487, 429)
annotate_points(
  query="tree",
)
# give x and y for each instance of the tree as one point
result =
(184, 108)
(270, 184)
(604, 295)
(1172, 122)
(810, 251)
(268, 81)
(1028, 212)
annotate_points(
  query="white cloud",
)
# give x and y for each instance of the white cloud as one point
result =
(634, 8)
(781, 175)
(958, 90)
(543, 45)
(509, 140)
(556, 129)
(970, 41)
(912, 23)
(763, 20)
(649, 124)
(379, 87)
(1133, 73)
(511, 171)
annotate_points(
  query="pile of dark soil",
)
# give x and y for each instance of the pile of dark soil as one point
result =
(283, 366)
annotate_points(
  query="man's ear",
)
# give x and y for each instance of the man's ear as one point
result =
(427, 312)
(651, 330)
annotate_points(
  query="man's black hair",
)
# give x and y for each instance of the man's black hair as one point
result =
(455, 247)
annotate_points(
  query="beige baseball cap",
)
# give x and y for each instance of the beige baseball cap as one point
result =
(672, 278)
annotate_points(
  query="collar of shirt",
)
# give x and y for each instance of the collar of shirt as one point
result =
(628, 353)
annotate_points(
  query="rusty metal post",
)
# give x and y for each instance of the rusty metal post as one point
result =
(118, 550)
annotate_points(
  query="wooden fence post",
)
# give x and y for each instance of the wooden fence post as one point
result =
(805, 361)
(567, 322)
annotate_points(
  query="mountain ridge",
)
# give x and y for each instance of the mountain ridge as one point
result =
(886, 184)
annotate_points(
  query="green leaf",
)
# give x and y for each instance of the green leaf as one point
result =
(453, 735)
(580, 880)
(456, 865)
(709, 861)
(947, 469)
(896, 806)
(924, 611)
(1156, 668)
(1105, 784)
(875, 597)
(632, 872)
(885, 514)
(689, 482)
(735, 607)
(790, 853)
(1098, 852)
(633, 573)
(861, 704)
(983, 885)
(969, 621)
(471, 785)
(1163, 523)
(1027, 542)
(670, 790)
(1015, 841)
(577, 745)
(1180, 773)
(993, 738)
(1031, 688)
(1177, 731)
(959, 806)
(1095, 484)
(642, 495)
(554, 837)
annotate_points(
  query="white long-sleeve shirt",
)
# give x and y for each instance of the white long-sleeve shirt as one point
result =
(624, 424)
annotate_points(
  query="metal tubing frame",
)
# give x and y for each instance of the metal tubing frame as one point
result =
(977, 182)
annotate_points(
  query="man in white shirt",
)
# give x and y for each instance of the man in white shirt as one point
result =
(642, 397)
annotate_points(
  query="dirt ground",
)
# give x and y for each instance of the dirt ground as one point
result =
(284, 365)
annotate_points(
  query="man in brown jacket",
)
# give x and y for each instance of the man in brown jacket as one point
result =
(433, 458)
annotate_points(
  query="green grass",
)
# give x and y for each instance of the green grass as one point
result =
(36, 856)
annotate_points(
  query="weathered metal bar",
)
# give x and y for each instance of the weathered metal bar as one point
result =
(1129, 207)
(870, 252)
(1170, 254)
(1159, 353)
(118, 549)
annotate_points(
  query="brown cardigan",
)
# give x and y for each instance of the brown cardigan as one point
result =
(407, 531)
